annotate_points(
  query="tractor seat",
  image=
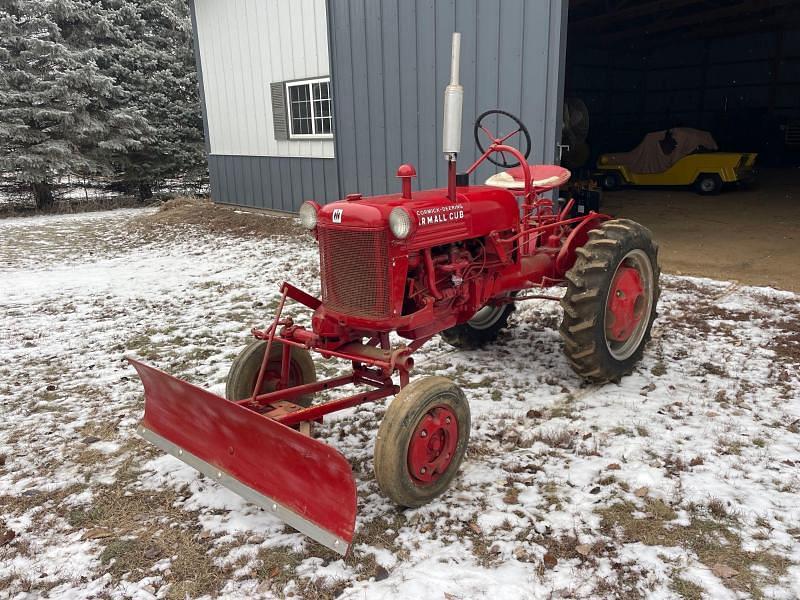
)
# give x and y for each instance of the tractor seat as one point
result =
(543, 178)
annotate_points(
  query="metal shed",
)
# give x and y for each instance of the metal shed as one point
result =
(264, 67)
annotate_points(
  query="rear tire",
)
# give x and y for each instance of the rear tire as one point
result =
(421, 441)
(244, 371)
(610, 303)
(484, 327)
(708, 184)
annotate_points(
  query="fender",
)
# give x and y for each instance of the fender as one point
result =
(577, 238)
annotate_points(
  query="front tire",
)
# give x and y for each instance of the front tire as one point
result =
(421, 441)
(484, 327)
(243, 374)
(708, 184)
(610, 303)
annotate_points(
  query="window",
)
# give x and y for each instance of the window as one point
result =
(310, 108)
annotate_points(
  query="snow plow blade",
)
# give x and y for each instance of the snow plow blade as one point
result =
(305, 483)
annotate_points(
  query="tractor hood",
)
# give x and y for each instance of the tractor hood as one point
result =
(477, 211)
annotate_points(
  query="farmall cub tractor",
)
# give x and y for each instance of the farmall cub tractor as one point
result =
(450, 262)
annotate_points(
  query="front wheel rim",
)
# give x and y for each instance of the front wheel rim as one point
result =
(707, 185)
(272, 377)
(628, 305)
(432, 445)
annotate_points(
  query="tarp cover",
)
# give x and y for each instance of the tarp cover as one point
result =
(659, 150)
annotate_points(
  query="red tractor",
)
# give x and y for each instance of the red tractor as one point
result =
(451, 262)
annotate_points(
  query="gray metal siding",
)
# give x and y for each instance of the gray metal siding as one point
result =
(273, 182)
(390, 64)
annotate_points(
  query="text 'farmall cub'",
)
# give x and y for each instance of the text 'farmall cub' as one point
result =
(450, 262)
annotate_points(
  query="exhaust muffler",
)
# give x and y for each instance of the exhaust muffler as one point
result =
(451, 127)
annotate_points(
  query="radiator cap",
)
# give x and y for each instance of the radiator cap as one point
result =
(405, 173)
(406, 170)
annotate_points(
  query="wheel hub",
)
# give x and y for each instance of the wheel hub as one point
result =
(272, 378)
(626, 304)
(433, 445)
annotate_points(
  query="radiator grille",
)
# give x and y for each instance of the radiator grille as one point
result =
(354, 267)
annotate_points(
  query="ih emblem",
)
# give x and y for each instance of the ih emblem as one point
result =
(337, 215)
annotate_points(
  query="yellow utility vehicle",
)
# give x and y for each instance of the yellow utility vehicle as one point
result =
(678, 156)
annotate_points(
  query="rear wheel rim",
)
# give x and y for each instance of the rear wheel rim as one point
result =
(432, 445)
(707, 185)
(628, 305)
(486, 316)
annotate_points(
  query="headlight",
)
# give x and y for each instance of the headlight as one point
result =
(400, 223)
(308, 215)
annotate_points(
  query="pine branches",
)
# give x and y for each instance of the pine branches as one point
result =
(97, 88)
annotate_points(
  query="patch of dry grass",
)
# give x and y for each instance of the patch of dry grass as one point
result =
(549, 491)
(555, 438)
(105, 429)
(717, 508)
(21, 503)
(686, 589)
(787, 346)
(728, 445)
(563, 410)
(277, 566)
(711, 540)
(217, 218)
(132, 526)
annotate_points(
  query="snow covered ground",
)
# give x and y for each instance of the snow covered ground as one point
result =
(684, 480)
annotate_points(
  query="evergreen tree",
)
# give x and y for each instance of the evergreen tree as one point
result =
(59, 112)
(155, 66)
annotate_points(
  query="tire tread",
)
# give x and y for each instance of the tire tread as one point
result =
(583, 303)
(389, 460)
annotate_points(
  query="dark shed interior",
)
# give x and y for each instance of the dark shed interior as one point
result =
(729, 67)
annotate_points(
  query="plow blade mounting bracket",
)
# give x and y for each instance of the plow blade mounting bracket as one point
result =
(304, 482)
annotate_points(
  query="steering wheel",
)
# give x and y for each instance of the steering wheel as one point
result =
(503, 162)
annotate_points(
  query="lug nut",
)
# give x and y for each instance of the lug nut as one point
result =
(447, 420)
(423, 470)
(423, 433)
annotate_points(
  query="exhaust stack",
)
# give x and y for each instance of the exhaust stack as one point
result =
(451, 129)
(453, 103)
